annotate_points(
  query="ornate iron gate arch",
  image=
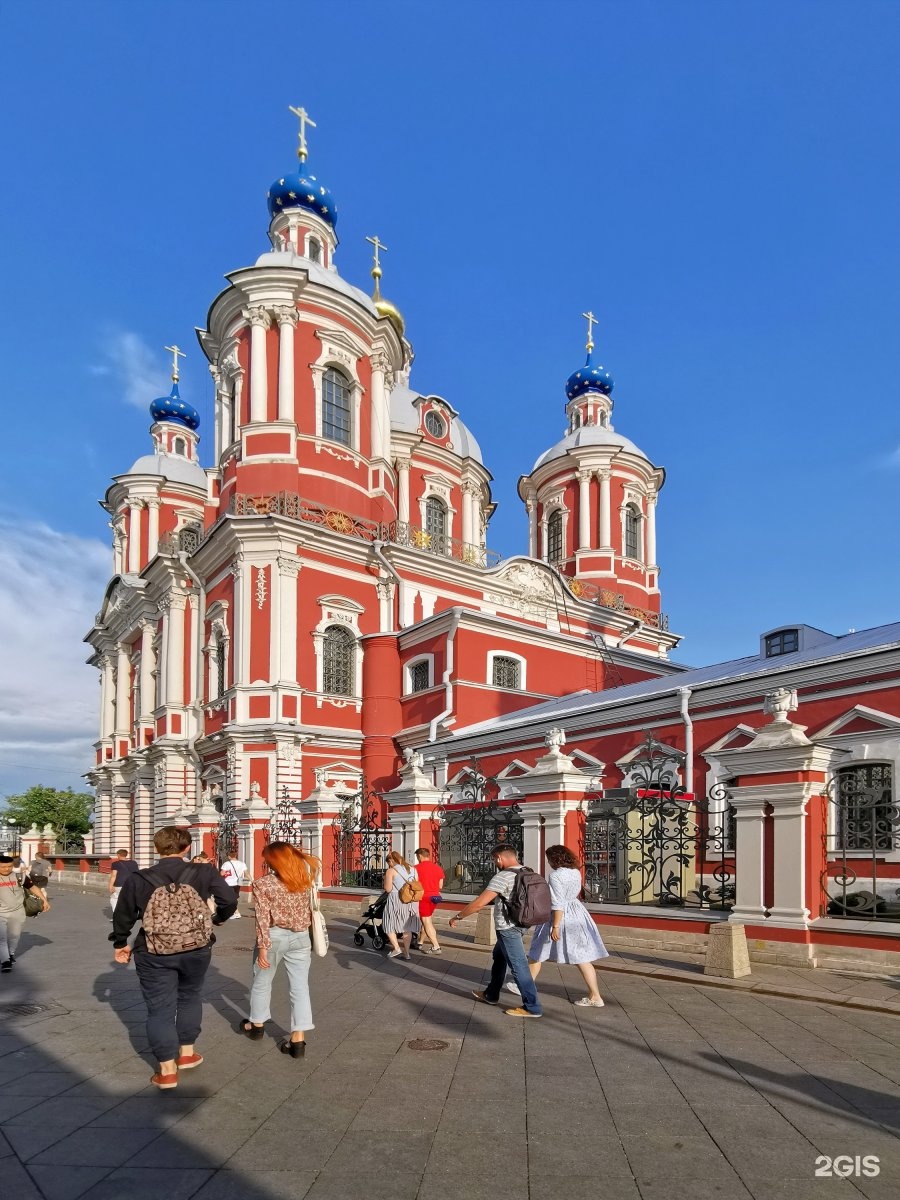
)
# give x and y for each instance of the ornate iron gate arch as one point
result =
(467, 828)
(362, 843)
(653, 843)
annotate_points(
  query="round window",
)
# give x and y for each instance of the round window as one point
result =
(434, 423)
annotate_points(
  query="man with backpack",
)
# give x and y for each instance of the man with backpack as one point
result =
(521, 899)
(172, 950)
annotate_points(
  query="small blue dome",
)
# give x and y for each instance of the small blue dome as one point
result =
(173, 408)
(300, 189)
(589, 379)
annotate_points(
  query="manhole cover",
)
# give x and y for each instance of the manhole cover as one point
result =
(22, 1010)
(427, 1044)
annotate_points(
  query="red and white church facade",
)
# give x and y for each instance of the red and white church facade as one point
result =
(314, 622)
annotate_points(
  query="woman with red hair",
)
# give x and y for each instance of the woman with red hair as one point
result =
(283, 917)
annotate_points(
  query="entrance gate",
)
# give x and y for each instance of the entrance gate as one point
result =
(467, 829)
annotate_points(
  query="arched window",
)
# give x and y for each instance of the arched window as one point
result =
(180, 446)
(436, 524)
(315, 250)
(507, 672)
(867, 819)
(632, 532)
(221, 660)
(339, 653)
(336, 407)
(555, 537)
(420, 676)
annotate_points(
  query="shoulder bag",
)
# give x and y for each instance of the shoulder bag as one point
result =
(318, 930)
(32, 904)
(412, 891)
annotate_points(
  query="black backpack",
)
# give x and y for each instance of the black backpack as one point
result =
(529, 902)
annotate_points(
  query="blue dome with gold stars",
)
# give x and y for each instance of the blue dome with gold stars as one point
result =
(589, 379)
(301, 189)
(173, 408)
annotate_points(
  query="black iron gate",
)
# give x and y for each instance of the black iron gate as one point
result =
(468, 827)
(225, 838)
(650, 843)
(361, 842)
(862, 829)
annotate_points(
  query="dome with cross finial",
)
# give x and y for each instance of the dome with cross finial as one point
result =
(589, 378)
(301, 189)
(173, 408)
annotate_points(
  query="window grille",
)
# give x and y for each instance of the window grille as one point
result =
(434, 423)
(632, 532)
(866, 816)
(221, 658)
(189, 538)
(786, 641)
(436, 524)
(339, 661)
(419, 676)
(336, 407)
(555, 537)
(507, 672)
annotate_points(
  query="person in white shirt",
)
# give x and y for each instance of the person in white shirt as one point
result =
(233, 871)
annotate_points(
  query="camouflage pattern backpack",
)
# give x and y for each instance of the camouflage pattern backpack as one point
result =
(176, 918)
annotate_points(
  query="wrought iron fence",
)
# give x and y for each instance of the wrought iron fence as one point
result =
(468, 826)
(285, 823)
(362, 842)
(225, 838)
(652, 843)
(862, 828)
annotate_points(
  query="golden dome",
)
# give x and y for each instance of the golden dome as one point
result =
(393, 314)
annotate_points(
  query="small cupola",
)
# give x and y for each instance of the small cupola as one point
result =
(302, 209)
(589, 389)
(175, 422)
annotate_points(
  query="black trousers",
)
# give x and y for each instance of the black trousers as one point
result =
(171, 985)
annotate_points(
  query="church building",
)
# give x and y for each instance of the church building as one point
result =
(311, 632)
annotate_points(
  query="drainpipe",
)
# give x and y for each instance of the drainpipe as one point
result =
(441, 718)
(685, 695)
(636, 628)
(196, 705)
(377, 550)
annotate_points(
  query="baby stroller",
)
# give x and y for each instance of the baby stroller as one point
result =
(371, 924)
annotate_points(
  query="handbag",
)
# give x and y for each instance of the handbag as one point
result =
(412, 891)
(318, 930)
(32, 904)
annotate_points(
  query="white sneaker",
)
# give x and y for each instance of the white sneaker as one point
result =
(587, 1002)
(235, 917)
(513, 987)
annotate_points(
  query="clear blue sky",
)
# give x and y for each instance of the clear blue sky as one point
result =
(718, 181)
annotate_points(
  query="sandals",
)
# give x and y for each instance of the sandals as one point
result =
(294, 1049)
(254, 1032)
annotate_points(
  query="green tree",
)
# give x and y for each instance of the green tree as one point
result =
(67, 811)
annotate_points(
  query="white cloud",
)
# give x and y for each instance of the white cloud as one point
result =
(137, 371)
(51, 586)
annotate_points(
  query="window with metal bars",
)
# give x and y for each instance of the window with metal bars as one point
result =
(221, 659)
(335, 407)
(419, 676)
(555, 537)
(436, 524)
(506, 672)
(867, 818)
(632, 532)
(339, 653)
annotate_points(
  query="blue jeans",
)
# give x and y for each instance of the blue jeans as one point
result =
(295, 951)
(171, 985)
(509, 951)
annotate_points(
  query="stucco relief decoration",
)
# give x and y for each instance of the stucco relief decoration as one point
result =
(159, 777)
(326, 448)
(339, 522)
(289, 753)
(289, 567)
(262, 589)
(529, 589)
(231, 761)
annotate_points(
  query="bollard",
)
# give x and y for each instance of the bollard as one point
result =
(726, 952)
(485, 934)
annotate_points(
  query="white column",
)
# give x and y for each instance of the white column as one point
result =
(605, 505)
(259, 323)
(749, 816)
(584, 510)
(651, 531)
(148, 697)
(403, 497)
(134, 536)
(107, 697)
(380, 432)
(174, 663)
(287, 319)
(153, 528)
(123, 689)
(531, 509)
(288, 570)
(194, 688)
(468, 533)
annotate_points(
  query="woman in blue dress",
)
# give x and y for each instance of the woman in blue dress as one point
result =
(571, 936)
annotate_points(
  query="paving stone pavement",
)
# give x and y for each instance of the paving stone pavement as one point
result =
(671, 1091)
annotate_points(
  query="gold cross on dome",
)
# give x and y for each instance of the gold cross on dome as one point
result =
(304, 118)
(592, 321)
(176, 354)
(376, 267)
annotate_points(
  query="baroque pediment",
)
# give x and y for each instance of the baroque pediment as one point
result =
(523, 584)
